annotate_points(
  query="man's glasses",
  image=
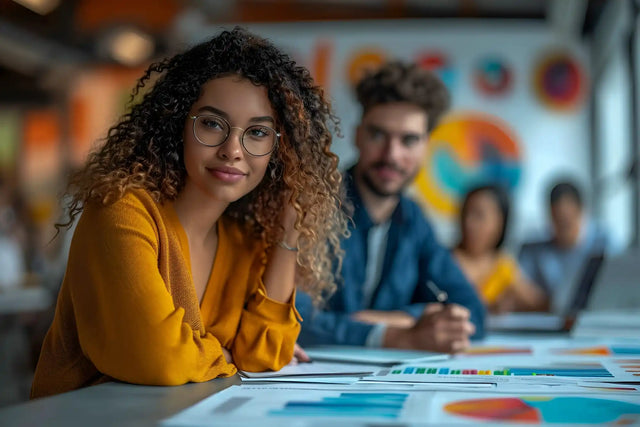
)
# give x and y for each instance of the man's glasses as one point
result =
(212, 130)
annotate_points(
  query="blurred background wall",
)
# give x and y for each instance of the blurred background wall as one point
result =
(540, 89)
(508, 122)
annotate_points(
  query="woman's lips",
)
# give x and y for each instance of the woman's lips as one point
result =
(227, 174)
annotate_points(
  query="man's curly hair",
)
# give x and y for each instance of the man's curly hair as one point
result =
(144, 150)
(399, 82)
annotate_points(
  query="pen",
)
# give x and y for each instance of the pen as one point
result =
(441, 296)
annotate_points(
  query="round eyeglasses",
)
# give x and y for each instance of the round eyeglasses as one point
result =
(212, 130)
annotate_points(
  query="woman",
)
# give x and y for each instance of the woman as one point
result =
(207, 202)
(496, 275)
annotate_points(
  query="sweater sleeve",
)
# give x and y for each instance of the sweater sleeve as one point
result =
(329, 326)
(268, 329)
(127, 322)
(437, 264)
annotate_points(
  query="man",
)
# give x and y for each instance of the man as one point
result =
(392, 254)
(555, 263)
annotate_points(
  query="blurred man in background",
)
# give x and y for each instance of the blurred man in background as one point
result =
(392, 254)
(556, 263)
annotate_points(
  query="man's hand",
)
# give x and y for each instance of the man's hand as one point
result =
(441, 328)
(391, 318)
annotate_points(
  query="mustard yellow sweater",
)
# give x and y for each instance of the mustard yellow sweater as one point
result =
(128, 310)
(502, 277)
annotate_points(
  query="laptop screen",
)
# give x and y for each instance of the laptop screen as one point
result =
(585, 285)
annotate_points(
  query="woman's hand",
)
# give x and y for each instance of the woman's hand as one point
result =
(227, 355)
(288, 220)
(299, 355)
(279, 274)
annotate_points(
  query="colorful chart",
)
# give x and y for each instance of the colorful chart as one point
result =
(631, 366)
(595, 370)
(496, 351)
(379, 405)
(546, 409)
(559, 82)
(465, 150)
(600, 351)
(493, 77)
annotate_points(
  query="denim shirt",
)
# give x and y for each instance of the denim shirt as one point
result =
(557, 269)
(412, 257)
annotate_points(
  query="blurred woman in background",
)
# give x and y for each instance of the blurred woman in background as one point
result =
(495, 274)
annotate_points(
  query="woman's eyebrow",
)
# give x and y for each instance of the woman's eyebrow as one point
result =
(263, 119)
(214, 110)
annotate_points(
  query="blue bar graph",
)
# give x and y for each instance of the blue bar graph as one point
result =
(377, 405)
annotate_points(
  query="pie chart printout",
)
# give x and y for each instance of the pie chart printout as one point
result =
(546, 409)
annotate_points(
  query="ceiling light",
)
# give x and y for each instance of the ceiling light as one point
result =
(41, 7)
(130, 46)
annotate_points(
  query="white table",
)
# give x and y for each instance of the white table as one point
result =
(111, 404)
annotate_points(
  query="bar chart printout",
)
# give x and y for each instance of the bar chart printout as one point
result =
(277, 406)
(361, 405)
(583, 370)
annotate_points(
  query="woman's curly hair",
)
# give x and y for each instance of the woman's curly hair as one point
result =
(144, 150)
(399, 82)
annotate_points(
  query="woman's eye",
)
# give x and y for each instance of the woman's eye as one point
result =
(212, 124)
(259, 132)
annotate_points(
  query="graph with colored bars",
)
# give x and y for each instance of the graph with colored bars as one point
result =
(377, 405)
(614, 350)
(595, 370)
(630, 366)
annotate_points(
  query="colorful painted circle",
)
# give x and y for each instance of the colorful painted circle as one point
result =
(465, 150)
(559, 82)
(440, 64)
(493, 77)
(363, 61)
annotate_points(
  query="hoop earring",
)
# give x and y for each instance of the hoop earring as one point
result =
(275, 169)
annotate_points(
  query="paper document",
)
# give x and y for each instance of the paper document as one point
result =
(618, 324)
(543, 322)
(372, 356)
(313, 369)
(532, 369)
(277, 406)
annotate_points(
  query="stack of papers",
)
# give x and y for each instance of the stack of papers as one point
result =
(341, 364)
(354, 406)
(527, 322)
(613, 324)
(501, 380)
(313, 372)
(373, 356)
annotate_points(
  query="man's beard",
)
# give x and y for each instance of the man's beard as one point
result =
(371, 185)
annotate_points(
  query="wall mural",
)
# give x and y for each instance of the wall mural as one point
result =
(439, 63)
(467, 149)
(559, 82)
(493, 77)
